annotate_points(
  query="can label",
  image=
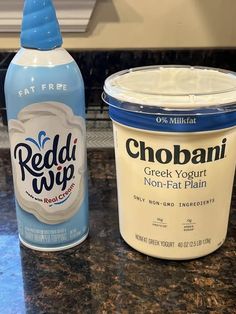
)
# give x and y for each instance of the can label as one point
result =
(174, 190)
(46, 119)
(48, 157)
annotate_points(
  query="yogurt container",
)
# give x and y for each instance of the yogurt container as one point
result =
(175, 145)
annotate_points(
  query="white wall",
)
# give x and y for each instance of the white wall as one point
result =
(153, 24)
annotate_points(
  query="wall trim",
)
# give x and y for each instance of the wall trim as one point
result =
(73, 15)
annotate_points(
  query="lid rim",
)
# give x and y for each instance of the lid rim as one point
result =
(149, 109)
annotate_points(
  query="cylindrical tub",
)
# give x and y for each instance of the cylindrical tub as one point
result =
(175, 144)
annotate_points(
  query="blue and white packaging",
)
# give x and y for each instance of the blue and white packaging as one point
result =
(46, 115)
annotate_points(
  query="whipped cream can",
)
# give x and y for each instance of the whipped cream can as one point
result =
(175, 146)
(46, 118)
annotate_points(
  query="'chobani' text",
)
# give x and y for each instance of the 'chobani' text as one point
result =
(177, 155)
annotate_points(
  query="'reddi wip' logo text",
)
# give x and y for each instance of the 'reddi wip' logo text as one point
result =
(178, 155)
(48, 167)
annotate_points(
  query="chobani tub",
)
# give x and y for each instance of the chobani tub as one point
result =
(175, 146)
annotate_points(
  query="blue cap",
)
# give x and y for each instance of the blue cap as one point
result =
(40, 27)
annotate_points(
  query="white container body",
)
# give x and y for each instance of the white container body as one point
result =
(173, 211)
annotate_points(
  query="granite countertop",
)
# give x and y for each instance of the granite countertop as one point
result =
(104, 275)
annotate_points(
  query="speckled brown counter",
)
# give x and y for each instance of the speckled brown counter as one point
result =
(104, 275)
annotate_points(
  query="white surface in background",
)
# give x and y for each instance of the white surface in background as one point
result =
(73, 15)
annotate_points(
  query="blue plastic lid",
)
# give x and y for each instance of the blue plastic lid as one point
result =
(40, 27)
